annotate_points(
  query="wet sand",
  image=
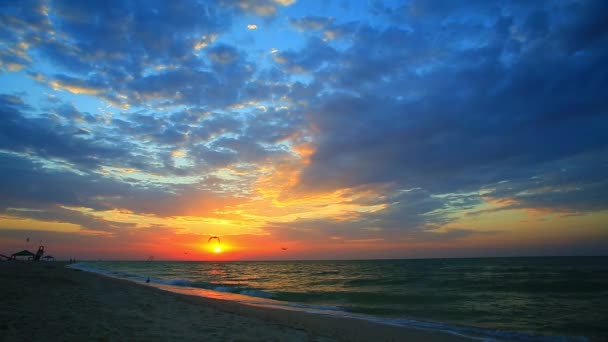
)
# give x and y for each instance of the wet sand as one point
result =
(46, 301)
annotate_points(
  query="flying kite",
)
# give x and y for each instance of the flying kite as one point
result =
(214, 237)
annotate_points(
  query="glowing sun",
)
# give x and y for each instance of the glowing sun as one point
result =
(217, 249)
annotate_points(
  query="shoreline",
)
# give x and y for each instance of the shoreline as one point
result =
(48, 300)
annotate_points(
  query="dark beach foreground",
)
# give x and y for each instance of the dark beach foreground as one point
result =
(47, 301)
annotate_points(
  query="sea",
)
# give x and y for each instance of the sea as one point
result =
(489, 299)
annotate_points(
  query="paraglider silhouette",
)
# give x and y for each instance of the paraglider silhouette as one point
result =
(218, 248)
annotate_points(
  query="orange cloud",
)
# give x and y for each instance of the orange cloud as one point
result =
(75, 89)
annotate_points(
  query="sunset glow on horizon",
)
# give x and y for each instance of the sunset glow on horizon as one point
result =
(303, 129)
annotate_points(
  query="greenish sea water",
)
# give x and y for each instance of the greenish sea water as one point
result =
(525, 299)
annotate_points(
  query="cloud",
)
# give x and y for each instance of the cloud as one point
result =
(265, 8)
(330, 232)
(144, 46)
(213, 88)
(75, 88)
(223, 54)
(60, 214)
(96, 54)
(217, 125)
(318, 54)
(47, 194)
(285, 2)
(43, 137)
(205, 41)
(456, 117)
(29, 184)
(574, 185)
(310, 23)
(62, 160)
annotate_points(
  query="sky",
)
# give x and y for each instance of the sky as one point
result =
(303, 129)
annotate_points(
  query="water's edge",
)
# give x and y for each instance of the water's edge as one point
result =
(264, 300)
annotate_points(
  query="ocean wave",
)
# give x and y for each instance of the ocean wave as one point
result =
(471, 300)
(116, 274)
(375, 282)
(247, 291)
(477, 333)
(363, 297)
(174, 282)
(257, 293)
(322, 273)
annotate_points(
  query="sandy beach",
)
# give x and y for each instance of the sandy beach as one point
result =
(47, 301)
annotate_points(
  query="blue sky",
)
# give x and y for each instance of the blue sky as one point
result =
(340, 129)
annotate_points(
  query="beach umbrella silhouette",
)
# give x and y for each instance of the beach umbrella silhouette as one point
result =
(23, 253)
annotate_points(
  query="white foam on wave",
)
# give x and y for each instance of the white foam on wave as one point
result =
(257, 293)
(474, 333)
(84, 267)
(264, 299)
(176, 282)
(112, 274)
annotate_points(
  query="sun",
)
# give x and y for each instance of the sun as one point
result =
(217, 249)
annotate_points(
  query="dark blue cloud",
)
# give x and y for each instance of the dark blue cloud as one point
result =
(35, 190)
(113, 47)
(44, 137)
(317, 53)
(29, 184)
(217, 125)
(453, 111)
(223, 54)
(70, 113)
(132, 35)
(263, 8)
(311, 23)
